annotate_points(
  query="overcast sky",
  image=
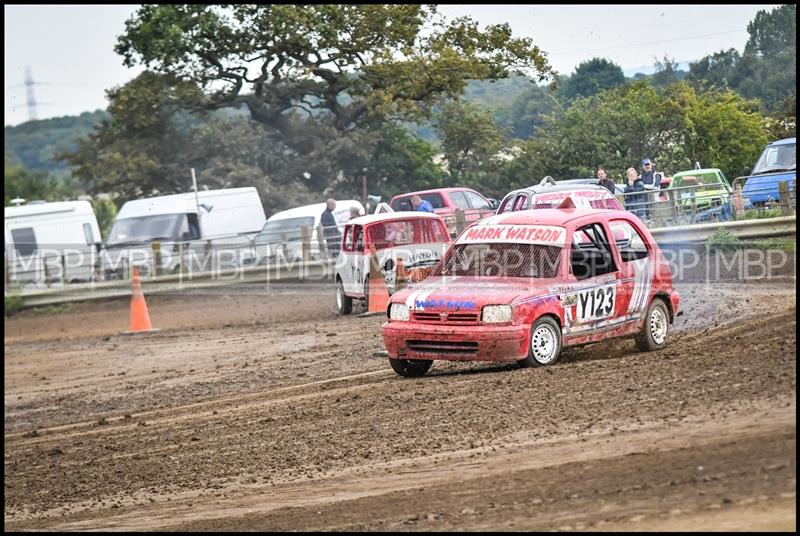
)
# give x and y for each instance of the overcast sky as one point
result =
(69, 49)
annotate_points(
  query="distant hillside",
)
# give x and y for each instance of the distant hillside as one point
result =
(34, 143)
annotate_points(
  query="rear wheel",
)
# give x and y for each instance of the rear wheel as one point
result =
(656, 327)
(366, 294)
(545, 343)
(410, 368)
(344, 303)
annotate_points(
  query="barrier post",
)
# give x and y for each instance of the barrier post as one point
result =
(64, 278)
(460, 221)
(156, 247)
(323, 246)
(305, 233)
(284, 245)
(783, 189)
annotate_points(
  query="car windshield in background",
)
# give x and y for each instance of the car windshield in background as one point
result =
(404, 203)
(404, 232)
(145, 229)
(292, 228)
(710, 179)
(777, 158)
(499, 259)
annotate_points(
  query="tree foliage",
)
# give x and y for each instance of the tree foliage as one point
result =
(674, 125)
(348, 62)
(591, 77)
(32, 185)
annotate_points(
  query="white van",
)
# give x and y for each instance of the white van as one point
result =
(42, 239)
(187, 230)
(283, 233)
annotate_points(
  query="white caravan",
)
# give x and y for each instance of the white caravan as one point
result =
(286, 229)
(210, 230)
(51, 242)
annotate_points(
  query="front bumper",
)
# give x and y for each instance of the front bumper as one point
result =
(413, 340)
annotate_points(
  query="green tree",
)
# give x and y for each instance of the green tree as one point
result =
(526, 113)
(105, 211)
(773, 32)
(470, 142)
(674, 125)
(348, 62)
(32, 185)
(591, 77)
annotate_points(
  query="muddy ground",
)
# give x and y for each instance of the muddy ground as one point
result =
(255, 410)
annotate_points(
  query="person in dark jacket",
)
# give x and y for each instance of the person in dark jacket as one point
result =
(634, 201)
(650, 179)
(605, 182)
(333, 237)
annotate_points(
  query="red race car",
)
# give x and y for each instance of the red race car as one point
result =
(520, 286)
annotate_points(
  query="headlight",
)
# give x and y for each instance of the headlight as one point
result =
(398, 311)
(496, 314)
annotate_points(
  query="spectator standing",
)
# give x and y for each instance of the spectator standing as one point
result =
(420, 204)
(354, 212)
(635, 195)
(330, 230)
(605, 182)
(650, 179)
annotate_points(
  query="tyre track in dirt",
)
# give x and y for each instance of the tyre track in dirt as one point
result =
(284, 430)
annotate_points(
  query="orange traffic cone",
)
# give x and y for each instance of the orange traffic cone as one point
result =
(378, 295)
(140, 319)
(378, 298)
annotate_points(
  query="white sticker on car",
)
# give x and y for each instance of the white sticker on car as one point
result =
(596, 303)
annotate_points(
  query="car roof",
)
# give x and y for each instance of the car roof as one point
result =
(704, 171)
(786, 141)
(551, 216)
(437, 191)
(544, 188)
(390, 216)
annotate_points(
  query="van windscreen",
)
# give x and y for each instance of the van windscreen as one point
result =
(292, 228)
(145, 229)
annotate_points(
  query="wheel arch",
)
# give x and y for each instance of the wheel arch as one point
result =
(663, 296)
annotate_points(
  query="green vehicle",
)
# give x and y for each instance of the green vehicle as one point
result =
(701, 189)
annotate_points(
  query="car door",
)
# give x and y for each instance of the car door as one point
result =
(592, 301)
(636, 268)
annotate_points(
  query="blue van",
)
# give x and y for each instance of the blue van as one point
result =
(775, 165)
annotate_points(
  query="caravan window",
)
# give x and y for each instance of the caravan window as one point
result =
(87, 232)
(24, 240)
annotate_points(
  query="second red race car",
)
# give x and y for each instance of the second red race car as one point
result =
(518, 287)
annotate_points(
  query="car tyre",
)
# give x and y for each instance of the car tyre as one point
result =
(545, 343)
(344, 303)
(656, 327)
(410, 368)
(366, 294)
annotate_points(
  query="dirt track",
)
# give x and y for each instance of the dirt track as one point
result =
(254, 411)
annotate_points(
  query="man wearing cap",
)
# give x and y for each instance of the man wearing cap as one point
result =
(650, 179)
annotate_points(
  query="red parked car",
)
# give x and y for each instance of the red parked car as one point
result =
(520, 286)
(445, 201)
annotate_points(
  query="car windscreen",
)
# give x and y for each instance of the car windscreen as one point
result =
(777, 158)
(395, 233)
(292, 228)
(500, 259)
(404, 203)
(145, 229)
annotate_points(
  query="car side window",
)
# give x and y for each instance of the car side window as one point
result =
(476, 201)
(347, 244)
(630, 243)
(506, 205)
(358, 238)
(459, 200)
(590, 253)
(402, 205)
(520, 202)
